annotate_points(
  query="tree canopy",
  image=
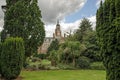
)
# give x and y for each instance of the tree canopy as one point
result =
(23, 19)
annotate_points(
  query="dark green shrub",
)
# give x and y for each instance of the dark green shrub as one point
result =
(92, 52)
(97, 66)
(12, 58)
(41, 56)
(83, 62)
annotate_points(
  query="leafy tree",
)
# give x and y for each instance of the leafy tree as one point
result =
(92, 49)
(69, 52)
(53, 46)
(53, 57)
(87, 36)
(23, 19)
(12, 58)
(73, 50)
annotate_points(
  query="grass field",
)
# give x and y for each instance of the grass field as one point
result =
(64, 75)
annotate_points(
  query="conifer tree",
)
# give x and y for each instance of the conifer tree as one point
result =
(84, 28)
(35, 28)
(23, 19)
(99, 23)
(109, 38)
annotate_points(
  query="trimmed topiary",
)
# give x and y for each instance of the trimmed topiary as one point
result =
(12, 58)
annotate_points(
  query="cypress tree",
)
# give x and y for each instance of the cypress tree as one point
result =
(117, 46)
(35, 29)
(23, 19)
(110, 37)
(12, 58)
(99, 23)
(117, 7)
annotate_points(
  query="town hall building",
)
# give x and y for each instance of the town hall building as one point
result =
(47, 41)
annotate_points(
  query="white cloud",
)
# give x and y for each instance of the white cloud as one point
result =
(53, 9)
(1, 23)
(58, 9)
(93, 21)
(67, 27)
(2, 2)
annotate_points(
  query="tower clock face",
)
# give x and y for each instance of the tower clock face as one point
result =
(58, 33)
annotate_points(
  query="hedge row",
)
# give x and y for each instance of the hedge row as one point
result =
(12, 55)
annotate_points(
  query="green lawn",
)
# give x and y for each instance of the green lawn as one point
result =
(64, 75)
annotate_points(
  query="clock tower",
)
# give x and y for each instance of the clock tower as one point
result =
(57, 33)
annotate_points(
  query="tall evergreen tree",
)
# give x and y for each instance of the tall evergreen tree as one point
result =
(35, 29)
(99, 23)
(23, 19)
(117, 46)
(84, 28)
(109, 38)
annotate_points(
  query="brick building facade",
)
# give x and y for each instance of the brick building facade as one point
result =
(47, 41)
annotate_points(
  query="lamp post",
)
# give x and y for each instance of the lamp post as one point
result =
(4, 8)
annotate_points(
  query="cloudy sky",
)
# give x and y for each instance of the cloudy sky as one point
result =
(69, 12)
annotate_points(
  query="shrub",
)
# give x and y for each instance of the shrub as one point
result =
(41, 56)
(97, 66)
(83, 62)
(12, 58)
(53, 57)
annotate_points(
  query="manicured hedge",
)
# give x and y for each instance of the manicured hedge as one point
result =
(12, 58)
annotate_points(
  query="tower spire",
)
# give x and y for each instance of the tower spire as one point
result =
(58, 21)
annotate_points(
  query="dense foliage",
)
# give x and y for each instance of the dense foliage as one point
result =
(23, 19)
(79, 48)
(87, 36)
(53, 46)
(84, 29)
(69, 52)
(53, 57)
(83, 62)
(108, 31)
(12, 58)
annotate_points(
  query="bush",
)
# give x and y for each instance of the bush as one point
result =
(53, 57)
(83, 62)
(97, 66)
(41, 56)
(12, 58)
